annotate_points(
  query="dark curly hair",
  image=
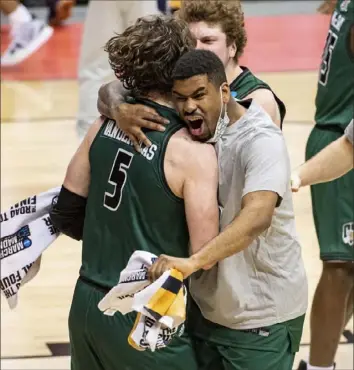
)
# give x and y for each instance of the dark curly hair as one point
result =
(200, 62)
(226, 13)
(144, 55)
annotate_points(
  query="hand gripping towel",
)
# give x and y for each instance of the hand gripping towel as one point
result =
(161, 306)
(26, 231)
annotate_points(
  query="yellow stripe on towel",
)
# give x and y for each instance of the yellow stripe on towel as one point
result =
(178, 307)
(163, 299)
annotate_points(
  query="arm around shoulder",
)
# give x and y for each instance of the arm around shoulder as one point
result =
(110, 97)
(260, 196)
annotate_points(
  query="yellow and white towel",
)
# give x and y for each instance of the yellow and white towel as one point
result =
(161, 306)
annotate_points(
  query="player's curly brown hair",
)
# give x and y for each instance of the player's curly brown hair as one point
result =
(144, 55)
(226, 13)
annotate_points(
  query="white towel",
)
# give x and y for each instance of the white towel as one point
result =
(26, 231)
(160, 306)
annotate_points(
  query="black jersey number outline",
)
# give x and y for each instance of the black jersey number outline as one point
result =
(117, 179)
(327, 57)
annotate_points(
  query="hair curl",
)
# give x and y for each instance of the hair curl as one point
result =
(226, 13)
(144, 55)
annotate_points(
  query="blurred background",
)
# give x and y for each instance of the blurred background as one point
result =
(39, 134)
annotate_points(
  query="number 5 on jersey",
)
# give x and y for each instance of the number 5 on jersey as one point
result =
(117, 179)
(327, 57)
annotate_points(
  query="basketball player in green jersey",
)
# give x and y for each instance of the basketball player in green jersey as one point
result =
(218, 26)
(333, 202)
(162, 200)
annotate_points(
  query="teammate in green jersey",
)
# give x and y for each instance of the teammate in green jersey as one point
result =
(333, 202)
(218, 26)
(162, 200)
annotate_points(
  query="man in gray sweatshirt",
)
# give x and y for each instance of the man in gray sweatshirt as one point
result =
(252, 297)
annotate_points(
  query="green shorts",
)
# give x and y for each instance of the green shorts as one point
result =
(332, 205)
(267, 348)
(100, 342)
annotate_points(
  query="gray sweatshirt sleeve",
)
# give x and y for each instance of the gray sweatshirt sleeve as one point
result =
(267, 165)
(349, 131)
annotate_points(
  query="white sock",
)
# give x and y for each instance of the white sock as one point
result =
(20, 15)
(310, 367)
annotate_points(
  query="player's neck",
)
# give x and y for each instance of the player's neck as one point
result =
(235, 111)
(233, 70)
(162, 99)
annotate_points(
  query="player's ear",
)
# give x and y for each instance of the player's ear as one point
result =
(225, 92)
(232, 50)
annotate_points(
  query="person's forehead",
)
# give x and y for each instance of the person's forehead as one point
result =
(202, 29)
(190, 84)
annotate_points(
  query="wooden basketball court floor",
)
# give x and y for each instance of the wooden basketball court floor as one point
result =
(38, 139)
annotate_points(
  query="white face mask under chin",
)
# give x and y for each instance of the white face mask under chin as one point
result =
(222, 123)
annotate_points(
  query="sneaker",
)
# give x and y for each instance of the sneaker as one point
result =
(302, 365)
(26, 39)
(59, 11)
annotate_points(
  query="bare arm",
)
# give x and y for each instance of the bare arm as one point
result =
(200, 195)
(77, 179)
(330, 163)
(266, 100)
(266, 171)
(131, 118)
(110, 97)
(255, 217)
(194, 177)
(191, 171)
(68, 213)
(257, 207)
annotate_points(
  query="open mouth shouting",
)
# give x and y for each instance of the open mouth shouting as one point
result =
(195, 124)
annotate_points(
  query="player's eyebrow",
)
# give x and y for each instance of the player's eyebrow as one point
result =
(200, 89)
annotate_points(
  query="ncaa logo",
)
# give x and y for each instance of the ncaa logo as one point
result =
(24, 233)
(348, 233)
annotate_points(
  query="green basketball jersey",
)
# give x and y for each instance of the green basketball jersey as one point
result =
(247, 82)
(130, 206)
(335, 91)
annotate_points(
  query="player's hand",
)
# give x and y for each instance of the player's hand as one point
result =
(185, 265)
(133, 117)
(295, 182)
